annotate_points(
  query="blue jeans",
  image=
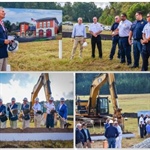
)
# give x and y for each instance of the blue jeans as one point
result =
(50, 121)
(137, 49)
(115, 41)
(125, 49)
(145, 56)
(111, 142)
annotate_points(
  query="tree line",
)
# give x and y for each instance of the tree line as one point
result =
(130, 8)
(126, 83)
(70, 11)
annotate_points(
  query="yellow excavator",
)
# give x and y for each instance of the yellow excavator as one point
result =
(44, 82)
(97, 107)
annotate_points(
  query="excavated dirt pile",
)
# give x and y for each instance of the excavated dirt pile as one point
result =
(35, 130)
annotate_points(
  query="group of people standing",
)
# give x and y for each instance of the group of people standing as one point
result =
(12, 109)
(124, 33)
(144, 125)
(83, 137)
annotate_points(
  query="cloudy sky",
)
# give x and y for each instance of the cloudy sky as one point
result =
(19, 15)
(20, 85)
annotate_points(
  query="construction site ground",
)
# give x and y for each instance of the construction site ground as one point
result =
(36, 144)
(131, 103)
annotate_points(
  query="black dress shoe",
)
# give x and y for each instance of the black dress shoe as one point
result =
(134, 66)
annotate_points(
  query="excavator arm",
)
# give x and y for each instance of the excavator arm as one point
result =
(42, 81)
(93, 103)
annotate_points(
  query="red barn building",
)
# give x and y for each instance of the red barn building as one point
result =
(23, 28)
(46, 27)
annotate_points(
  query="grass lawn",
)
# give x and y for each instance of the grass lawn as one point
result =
(129, 103)
(39, 56)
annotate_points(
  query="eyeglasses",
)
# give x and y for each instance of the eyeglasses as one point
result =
(116, 18)
(148, 16)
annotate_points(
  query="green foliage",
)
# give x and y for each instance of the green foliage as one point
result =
(116, 8)
(125, 83)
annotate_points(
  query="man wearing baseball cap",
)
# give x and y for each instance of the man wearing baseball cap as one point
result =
(50, 107)
(111, 134)
(3, 117)
(37, 113)
(62, 111)
(26, 116)
(13, 113)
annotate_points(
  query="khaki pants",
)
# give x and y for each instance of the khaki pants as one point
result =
(79, 145)
(3, 64)
(62, 123)
(13, 124)
(25, 123)
(37, 120)
(76, 41)
(2, 124)
(87, 144)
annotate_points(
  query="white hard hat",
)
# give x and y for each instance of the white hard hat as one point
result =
(25, 99)
(62, 99)
(51, 98)
(36, 99)
(13, 47)
(84, 44)
(110, 121)
(13, 99)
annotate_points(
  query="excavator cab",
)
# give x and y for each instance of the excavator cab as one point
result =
(102, 106)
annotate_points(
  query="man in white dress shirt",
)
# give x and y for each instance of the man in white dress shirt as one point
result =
(119, 138)
(50, 107)
(78, 36)
(37, 113)
(95, 29)
(141, 125)
(146, 44)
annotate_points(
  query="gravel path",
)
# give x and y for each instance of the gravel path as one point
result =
(144, 144)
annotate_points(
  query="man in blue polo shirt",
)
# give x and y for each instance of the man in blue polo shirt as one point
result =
(115, 38)
(136, 32)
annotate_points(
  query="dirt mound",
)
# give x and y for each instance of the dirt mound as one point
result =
(36, 130)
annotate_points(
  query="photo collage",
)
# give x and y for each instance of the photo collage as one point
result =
(75, 75)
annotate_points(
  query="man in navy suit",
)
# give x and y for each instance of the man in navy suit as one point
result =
(13, 117)
(87, 137)
(3, 42)
(3, 116)
(26, 116)
(62, 111)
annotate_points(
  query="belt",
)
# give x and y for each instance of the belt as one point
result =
(137, 39)
(123, 37)
(79, 36)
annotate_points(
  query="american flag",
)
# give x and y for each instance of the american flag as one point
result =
(33, 20)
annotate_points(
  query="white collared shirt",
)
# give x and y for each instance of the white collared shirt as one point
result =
(141, 120)
(146, 30)
(95, 27)
(60, 106)
(124, 28)
(36, 107)
(49, 107)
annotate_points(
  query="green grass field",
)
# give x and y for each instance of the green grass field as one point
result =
(39, 56)
(131, 103)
